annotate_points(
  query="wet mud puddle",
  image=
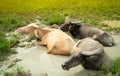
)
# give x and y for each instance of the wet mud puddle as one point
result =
(39, 62)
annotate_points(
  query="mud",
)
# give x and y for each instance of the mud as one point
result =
(40, 63)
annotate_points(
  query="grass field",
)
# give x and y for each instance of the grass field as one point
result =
(51, 7)
(16, 13)
(47, 9)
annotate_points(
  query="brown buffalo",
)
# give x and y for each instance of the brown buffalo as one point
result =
(56, 41)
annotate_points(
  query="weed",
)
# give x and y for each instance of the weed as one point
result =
(6, 45)
(32, 37)
(57, 19)
(11, 23)
(116, 29)
(14, 15)
(8, 74)
(17, 71)
(114, 70)
(13, 41)
(116, 67)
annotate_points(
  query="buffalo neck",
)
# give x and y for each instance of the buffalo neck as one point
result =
(42, 32)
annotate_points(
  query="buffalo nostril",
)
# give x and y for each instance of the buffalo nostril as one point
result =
(113, 43)
(65, 67)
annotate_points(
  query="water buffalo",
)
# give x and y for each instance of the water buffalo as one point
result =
(80, 31)
(57, 41)
(86, 52)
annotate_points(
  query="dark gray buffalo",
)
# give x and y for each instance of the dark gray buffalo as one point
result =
(80, 31)
(86, 52)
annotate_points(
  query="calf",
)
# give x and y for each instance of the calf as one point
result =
(86, 52)
(57, 42)
(81, 31)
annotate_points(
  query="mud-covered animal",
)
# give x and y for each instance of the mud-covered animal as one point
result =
(80, 31)
(57, 41)
(87, 52)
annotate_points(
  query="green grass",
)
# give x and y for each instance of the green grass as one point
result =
(116, 67)
(113, 70)
(103, 7)
(57, 19)
(116, 29)
(5, 46)
(15, 12)
(13, 41)
(10, 23)
(17, 71)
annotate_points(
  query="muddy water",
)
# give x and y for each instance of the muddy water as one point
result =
(40, 63)
(112, 52)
